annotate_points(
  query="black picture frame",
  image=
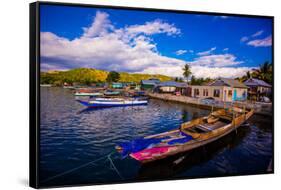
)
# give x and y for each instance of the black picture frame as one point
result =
(34, 81)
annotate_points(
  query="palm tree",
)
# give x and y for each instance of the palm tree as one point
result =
(186, 71)
(264, 72)
(248, 75)
(245, 77)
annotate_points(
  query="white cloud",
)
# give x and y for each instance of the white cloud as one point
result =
(213, 66)
(218, 60)
(200, 71)
(208, 52)
(154, 27)
(224, 17)
(265, 42)
(244, 39)
(220, 17)
(180, 52)
(225, 49)
(102, 46)
(100, 26)
(214, 72)
(258, 33)
(261, 42)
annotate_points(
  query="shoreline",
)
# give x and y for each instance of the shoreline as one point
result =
(259, 109)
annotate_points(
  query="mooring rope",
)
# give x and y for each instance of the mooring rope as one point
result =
(114, 167)
(84, 165)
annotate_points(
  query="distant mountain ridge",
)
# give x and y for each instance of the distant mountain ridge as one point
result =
(89, 75)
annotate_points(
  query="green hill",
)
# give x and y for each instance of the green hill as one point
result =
(88, 76)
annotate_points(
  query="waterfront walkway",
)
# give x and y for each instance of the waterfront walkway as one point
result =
(260, 108)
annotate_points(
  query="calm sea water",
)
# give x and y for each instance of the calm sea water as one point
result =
(71, 137)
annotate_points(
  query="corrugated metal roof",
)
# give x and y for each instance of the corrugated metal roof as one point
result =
(150, 82)
(256, 82)
(173, 83)
(228, 82)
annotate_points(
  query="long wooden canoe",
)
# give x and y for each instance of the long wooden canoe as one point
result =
(191, 135)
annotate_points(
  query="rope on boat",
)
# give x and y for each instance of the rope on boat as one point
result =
(84, 165)
(114, 167)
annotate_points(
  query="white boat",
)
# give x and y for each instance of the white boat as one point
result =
(113, 102)
(88, 94)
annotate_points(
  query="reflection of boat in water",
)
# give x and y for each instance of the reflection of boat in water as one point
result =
(113, 102)
(174, 165)
(190, 135)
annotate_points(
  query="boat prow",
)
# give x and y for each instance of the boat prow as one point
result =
(113, 102)
(190, 135)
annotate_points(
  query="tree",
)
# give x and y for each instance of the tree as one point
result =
(113, 76)
(193, 80)
(199, 81)
(264, 72)
(245, 77)
(186, 71)
(248, 74)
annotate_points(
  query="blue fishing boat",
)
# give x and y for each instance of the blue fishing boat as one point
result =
(113, 102)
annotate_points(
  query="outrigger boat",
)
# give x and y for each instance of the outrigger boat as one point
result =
(113, 102)
(188, 136)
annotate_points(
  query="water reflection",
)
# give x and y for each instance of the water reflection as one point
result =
(71, 135)
(171, 166)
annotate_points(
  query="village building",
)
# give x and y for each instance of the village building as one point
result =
(222, 89)
(179, 88)
(117, 85)
(257, 88)
(149, 84)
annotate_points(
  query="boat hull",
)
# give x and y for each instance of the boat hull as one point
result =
(87, 94)
(105, 104)
(157, 153)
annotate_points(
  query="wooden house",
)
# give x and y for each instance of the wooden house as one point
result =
(258, 88)
(222, 89)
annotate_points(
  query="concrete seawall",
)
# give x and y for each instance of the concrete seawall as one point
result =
(260, 108)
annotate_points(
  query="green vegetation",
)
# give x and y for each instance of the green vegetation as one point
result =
(186, 71)
(199, 81)
(264, 72)
(178, 79)
(193, 81)
(135, 77)
(113, 76)
(88, 76)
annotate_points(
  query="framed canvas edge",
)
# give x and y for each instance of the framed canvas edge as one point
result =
(34, 88)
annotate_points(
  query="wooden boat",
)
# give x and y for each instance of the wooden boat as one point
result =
(190, 135)
(45, 85)
(88, 94)
(69, 87)
(113, 102)
(112, 93)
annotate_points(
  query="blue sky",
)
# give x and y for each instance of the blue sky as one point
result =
(152, 42)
